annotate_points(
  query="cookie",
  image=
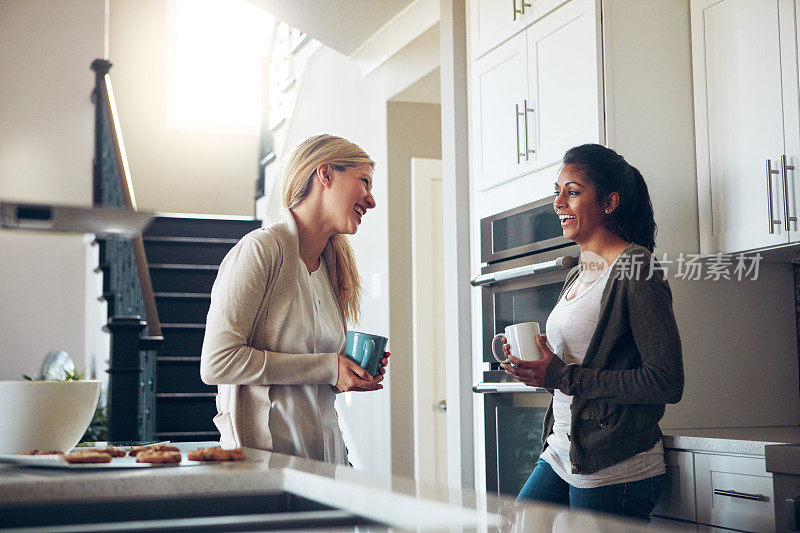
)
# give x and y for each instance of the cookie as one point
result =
(201, 454)
(216, 453)
(208, 453)
(41, 452)
(195, 455)
(87, 456)
(113, 451)
(158, 456)
(153, 447)
(235, 454)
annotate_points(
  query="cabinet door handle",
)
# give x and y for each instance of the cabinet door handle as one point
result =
(742, 495)
(519, 11)
(770, 172)
(528, 151)
(786, 168)
(518, 114)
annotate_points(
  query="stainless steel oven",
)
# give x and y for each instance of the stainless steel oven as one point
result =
(525, 262)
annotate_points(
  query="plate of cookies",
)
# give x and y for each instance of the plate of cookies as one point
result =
(147, 456)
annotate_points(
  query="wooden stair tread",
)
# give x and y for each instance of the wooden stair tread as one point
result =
(179, 266)
(186, 295)
(190, 240)
(186, 395)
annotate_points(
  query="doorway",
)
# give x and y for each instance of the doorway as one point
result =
(430, 425)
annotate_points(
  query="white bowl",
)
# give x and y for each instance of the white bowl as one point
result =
(45, 415)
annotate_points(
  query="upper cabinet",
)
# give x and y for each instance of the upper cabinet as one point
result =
(536, 94)
(564, 82)
(500, 90)
(494, 21)
(745, 55)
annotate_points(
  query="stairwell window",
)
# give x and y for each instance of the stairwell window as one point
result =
(217, 51)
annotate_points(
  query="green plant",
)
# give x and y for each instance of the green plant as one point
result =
(98, 427)
(68, 376)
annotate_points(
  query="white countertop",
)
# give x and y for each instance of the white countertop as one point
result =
(747, 441)
(400, 503)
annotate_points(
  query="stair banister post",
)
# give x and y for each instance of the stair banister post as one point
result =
(125, 371)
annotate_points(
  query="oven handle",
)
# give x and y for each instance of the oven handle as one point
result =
(486, 387)
(562, 263)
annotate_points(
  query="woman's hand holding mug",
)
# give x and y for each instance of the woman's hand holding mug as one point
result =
(531, 373)
(354, 378)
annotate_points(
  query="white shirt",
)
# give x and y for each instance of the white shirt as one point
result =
(302, 419)
(570, 328)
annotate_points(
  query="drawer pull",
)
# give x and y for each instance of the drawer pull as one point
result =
(742, 495)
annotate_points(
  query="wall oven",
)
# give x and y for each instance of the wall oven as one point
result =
(525, 260)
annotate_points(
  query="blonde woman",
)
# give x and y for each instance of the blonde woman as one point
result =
(275, 333)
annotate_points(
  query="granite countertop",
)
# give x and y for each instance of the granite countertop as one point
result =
(747, 441)
(399, 503)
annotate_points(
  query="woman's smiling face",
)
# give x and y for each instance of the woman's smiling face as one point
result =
(352, 197)
(578, 206)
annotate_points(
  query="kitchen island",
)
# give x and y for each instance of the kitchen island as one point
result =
(266, 491)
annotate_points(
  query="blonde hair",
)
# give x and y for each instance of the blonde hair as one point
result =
(298, 177)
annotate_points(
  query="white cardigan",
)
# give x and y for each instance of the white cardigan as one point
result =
(250, 302)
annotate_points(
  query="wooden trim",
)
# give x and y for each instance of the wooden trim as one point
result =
(129, 198)
(153, 323)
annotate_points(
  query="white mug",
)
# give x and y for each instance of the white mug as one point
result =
(522, 338)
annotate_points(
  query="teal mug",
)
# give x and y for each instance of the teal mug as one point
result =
(366, 350)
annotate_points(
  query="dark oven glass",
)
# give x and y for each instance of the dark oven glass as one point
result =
(527, 229)
(536, 225)
(525, 305)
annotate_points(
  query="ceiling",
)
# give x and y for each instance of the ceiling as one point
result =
(343, 25)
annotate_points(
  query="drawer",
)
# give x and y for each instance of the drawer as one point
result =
(734, 492)
(677, 499)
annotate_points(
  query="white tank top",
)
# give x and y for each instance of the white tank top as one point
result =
(570, 328)
(302, 419)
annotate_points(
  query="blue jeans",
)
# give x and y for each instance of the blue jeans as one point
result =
(635, 499)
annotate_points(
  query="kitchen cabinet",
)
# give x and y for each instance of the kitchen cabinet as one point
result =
(734, 492)
(491, 21)
(718, 490)
(499, 88)
(537, 94)
(677, 499)
(744, 55)
(564, 82)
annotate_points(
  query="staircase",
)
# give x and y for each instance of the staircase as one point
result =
(184, 253)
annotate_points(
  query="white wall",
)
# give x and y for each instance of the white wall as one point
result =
(414, 130)
(46, 148)
(172, 171)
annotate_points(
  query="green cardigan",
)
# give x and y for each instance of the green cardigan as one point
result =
(632, 368)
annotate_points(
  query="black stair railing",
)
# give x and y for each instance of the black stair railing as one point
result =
(133, 318)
